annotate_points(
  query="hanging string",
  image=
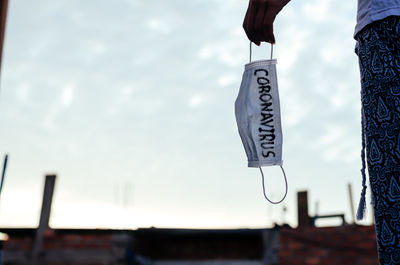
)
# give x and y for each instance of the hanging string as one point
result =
(263, 186)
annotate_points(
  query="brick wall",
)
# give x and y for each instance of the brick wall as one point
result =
(77, 241)
(87, 248)
(18, 244)
(344, 245)
(63, 241)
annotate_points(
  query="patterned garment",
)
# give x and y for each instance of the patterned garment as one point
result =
(378, 49)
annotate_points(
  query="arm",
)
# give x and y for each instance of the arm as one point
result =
(259, 19)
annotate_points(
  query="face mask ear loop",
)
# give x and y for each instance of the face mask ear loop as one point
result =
(272, 51)
(250, 53)
(263, 186)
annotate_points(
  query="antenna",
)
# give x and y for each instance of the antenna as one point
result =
(284, 211)
(125, 195)
(4, 172)
(317, 207)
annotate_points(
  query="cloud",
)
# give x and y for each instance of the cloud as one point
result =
(227, 80)
(159, 26)
(337, 144)
(67, 95)
(317, 11)
(195, 101)
(64, 101)
(294, 111)
(23, 92)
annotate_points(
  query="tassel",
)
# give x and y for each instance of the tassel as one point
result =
(362, 205)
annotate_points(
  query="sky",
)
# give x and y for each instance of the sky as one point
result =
(131, 104)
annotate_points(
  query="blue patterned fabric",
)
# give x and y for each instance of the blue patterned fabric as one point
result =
(378, 50)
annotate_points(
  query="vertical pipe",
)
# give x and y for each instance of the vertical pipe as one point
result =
(302, 209)
(44, 218)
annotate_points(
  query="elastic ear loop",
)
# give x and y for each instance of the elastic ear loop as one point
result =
(286, 188)
(272, 51)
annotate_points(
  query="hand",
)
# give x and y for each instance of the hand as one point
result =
(259, 19)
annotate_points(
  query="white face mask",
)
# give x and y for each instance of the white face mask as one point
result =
(258, 116)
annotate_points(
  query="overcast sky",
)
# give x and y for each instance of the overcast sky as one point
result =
(131, 104)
